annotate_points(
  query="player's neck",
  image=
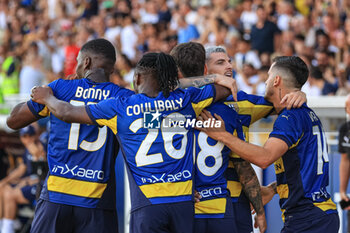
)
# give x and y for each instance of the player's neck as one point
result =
(97, 75)
(150, 92)
(277, 97)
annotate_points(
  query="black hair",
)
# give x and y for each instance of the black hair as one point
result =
(316, 73)
(295, 66)
(264, 69)
(162, 67)
(101, 47)
(190, 58)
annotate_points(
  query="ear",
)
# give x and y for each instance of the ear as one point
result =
(137, 79)
(277, 81)
(205, 69)
(179, 74)
(87, 63)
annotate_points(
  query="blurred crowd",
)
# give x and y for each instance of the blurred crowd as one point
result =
(40, 39)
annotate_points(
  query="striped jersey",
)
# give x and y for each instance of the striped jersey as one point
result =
(80, 157)
(302, 172)
(250, 108)
(156, 138)
(212, 159)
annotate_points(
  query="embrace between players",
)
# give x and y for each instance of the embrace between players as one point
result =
(166, 165)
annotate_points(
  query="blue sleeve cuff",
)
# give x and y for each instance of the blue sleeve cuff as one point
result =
(283, 138)
(31, 108)
(87, 108)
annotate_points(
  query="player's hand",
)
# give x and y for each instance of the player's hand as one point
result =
(197, 196)
(215, 133)
(227, 82)
(294, 99)
(40, 94)
(260, 221)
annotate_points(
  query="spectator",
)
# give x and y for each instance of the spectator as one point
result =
(248, 17)
(246, 55)
(247, 78)
(71, 51)
(128, 37)
(265, 34)
(31, 74)
(126, 68)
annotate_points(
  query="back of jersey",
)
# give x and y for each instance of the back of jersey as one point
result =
(302, 172)
(156, 137)
(212, 158)
(80, 157)
(250, 108)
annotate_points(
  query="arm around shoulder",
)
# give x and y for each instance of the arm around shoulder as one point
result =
(20, 116)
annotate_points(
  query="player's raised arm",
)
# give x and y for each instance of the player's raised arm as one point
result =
(224, 86)
(20, 116)
(61, 109)
(264, 156)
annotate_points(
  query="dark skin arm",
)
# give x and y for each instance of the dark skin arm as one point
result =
(61, 109)
(251, 188)
(224, 86)
(20, 116)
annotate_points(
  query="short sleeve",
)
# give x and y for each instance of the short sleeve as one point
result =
(254, 106)
(104, 113)
(40, 110)
(201, 97)
(288, 129)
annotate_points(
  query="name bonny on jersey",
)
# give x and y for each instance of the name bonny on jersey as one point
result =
(78, 171)
(92, 93)
(156, 106)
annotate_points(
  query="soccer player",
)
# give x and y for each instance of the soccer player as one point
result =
(158, 154)
(214, 212)
(79, 192)
(298, 147)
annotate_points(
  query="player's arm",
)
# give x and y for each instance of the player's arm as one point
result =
(264, 156)
(61, 109)
(224, 86)
(20, 116)
(251, 187)
(344, 175)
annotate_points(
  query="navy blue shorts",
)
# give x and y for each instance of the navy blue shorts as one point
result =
(243, 217)
(163, 218)
(58, 218)
(311, 221)
(226, 224)
(215, 225)
(29, 192)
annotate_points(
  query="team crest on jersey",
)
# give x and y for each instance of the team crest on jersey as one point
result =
(151, 120)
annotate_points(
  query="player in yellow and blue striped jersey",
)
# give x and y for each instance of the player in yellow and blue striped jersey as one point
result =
(250, 108)
(214, 213)
(80, 186)
(297, 145)
(159, 155)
